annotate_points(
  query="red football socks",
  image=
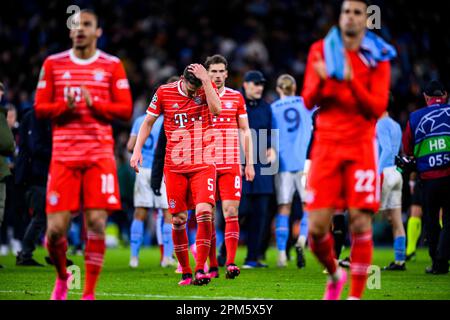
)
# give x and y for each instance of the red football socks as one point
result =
(361, 258)
(180, 245)
(203, 239)
(323, 248)
(231, 238)
(212, 251)
(93, 256)
(57, 251)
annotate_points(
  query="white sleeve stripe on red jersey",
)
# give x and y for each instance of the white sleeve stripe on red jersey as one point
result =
(170, 85)
(59, 55)
(243, 116)
(108, 56)
(153, 114)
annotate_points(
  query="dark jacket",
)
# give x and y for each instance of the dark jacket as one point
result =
(259, 117)
(158, 161)
(35, 149)
(6, 145)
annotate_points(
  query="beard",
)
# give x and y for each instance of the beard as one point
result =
(351, 33)
(191, 93)
(80, 46)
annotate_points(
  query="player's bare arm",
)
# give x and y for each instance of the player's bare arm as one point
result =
(247, 142)
(131, 143)
(271, 155)
(144, 132)
(213, 99)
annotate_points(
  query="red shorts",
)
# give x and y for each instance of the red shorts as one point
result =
(229, 183)
(186, 190)
(343, 177)
(96, 183)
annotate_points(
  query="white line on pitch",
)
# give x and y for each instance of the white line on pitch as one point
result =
(131, 295)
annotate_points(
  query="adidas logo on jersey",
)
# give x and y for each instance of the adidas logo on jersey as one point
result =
(112, 199)
(66, 75)
(238, 194)
(176, 106)
(212, 197)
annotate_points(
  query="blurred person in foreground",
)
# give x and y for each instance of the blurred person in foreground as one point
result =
(82, 90)
(348, 76)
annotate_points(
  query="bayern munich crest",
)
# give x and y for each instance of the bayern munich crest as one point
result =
(99, 75)
(172, 204)
(198, 100)
(53, 198)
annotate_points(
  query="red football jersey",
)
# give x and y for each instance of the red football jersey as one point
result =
(349, 110)
(227, 123)
(188, 126)
(83, 134)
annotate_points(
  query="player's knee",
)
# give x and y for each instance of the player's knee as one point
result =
(54, 233)
(230, 211)
(96, 225)
(318, 230)
(179, 219)
(416, 211)
(389, 218)
(204, 216)
(140, 214)
(204, 208)
(284, 209)
(360, 224)
(318, 225)
(167, 218)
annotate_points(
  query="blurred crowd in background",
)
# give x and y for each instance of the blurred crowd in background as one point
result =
(157, 39)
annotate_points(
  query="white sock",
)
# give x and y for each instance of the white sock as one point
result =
(301, 242)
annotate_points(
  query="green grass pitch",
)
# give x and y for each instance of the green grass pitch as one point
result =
(150, 281)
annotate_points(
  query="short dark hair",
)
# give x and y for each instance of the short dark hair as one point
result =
(435, 88)
(216, 59)
(172, 79)
(367, 2)
(191, 78)
(91, 12)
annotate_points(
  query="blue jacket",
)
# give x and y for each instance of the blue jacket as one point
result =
(430, 128)
(259, 117)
